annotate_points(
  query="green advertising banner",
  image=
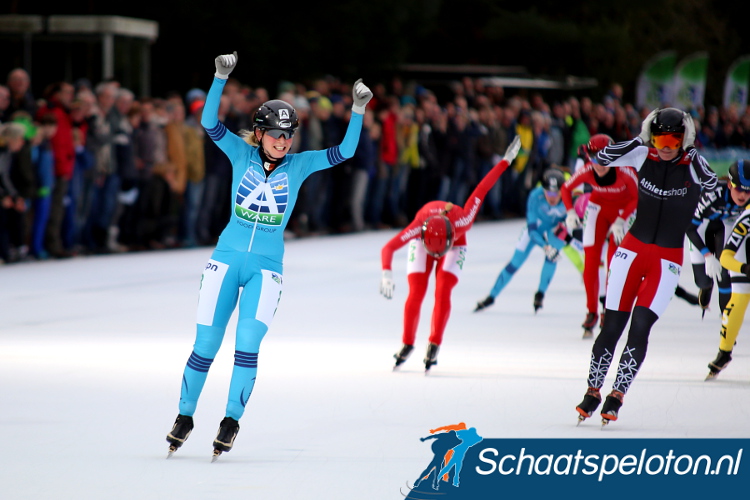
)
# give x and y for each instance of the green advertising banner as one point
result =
(656, 81)
(690, 81)
(736, 83)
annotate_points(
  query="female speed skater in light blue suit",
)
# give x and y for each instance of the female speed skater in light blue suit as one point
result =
(543, 213)
(249, 254)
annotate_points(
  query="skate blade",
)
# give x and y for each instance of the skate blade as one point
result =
(606, 420)
(171, 451)
(587, 334)
(582, 415)
(216, 455)
(710, 376)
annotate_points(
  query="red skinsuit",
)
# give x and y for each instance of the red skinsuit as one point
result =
(618, 198)
(446, 276)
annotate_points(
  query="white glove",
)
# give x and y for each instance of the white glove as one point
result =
(361, 95)
(645, 134)
(618, 230)
(572, 221)
(513, 149)
(225, 64)
(713, 266)
(688, 140)
(387, 285)
(552, 253)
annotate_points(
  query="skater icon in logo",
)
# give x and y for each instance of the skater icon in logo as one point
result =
(450, 447)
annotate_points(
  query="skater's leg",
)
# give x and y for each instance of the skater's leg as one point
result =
(732, 319)
(654, 295)
(725, 289)
(594, 235)
(216, 302)
(413, 305)
(446, 278)
(604, 346)
(523, 249)
(549, 267)
(258, 303)
(418, 268)
(635, 348)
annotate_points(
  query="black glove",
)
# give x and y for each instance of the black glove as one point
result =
(744, 269)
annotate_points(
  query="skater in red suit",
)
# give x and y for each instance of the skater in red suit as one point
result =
(437, 239)
(613, 199)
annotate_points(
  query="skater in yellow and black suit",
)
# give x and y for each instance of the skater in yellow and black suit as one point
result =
(734, 258)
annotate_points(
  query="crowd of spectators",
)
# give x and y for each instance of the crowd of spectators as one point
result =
(90, 169)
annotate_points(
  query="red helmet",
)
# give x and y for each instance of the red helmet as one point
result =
(599, 142)
(437, 235)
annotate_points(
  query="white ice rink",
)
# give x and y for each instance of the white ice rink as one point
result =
(92, 351)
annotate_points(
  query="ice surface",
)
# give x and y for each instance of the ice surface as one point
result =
(92, 352)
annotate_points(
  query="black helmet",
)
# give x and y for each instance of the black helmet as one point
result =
(276, 117)
(552, 179)
(668, 121)
(739, 175)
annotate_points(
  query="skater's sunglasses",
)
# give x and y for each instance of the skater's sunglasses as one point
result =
(552, 194)
(277, 133)
(671, 141)
(740, 187)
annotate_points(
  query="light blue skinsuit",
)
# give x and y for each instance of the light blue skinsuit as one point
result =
(249, 254)
(541, 220)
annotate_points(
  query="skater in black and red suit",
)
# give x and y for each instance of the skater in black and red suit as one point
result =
(646, 268)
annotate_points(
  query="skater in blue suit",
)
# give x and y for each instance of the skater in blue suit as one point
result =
(247, 264)
(543, 213)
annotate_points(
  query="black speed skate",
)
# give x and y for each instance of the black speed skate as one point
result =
(484, 304)
(611, 407)
(688, 297)
(588, 325)
(181, 429)
(721, 362)
(538, 301)
(402, 354)
(430, 358)
(590, 403)
(228, 429)
(704, 299)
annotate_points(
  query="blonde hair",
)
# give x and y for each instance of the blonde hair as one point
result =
(249, 137)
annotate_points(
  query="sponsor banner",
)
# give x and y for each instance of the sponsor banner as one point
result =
(655, 83)
(736, 83)
(462, 464)
(690, 81)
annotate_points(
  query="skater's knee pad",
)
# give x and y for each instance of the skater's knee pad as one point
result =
(640, 326)
(250, 332)
(208, 340)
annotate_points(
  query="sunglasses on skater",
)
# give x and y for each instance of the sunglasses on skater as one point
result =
(552, 194)
(671, 141)
(744, 189)
(278, 133)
